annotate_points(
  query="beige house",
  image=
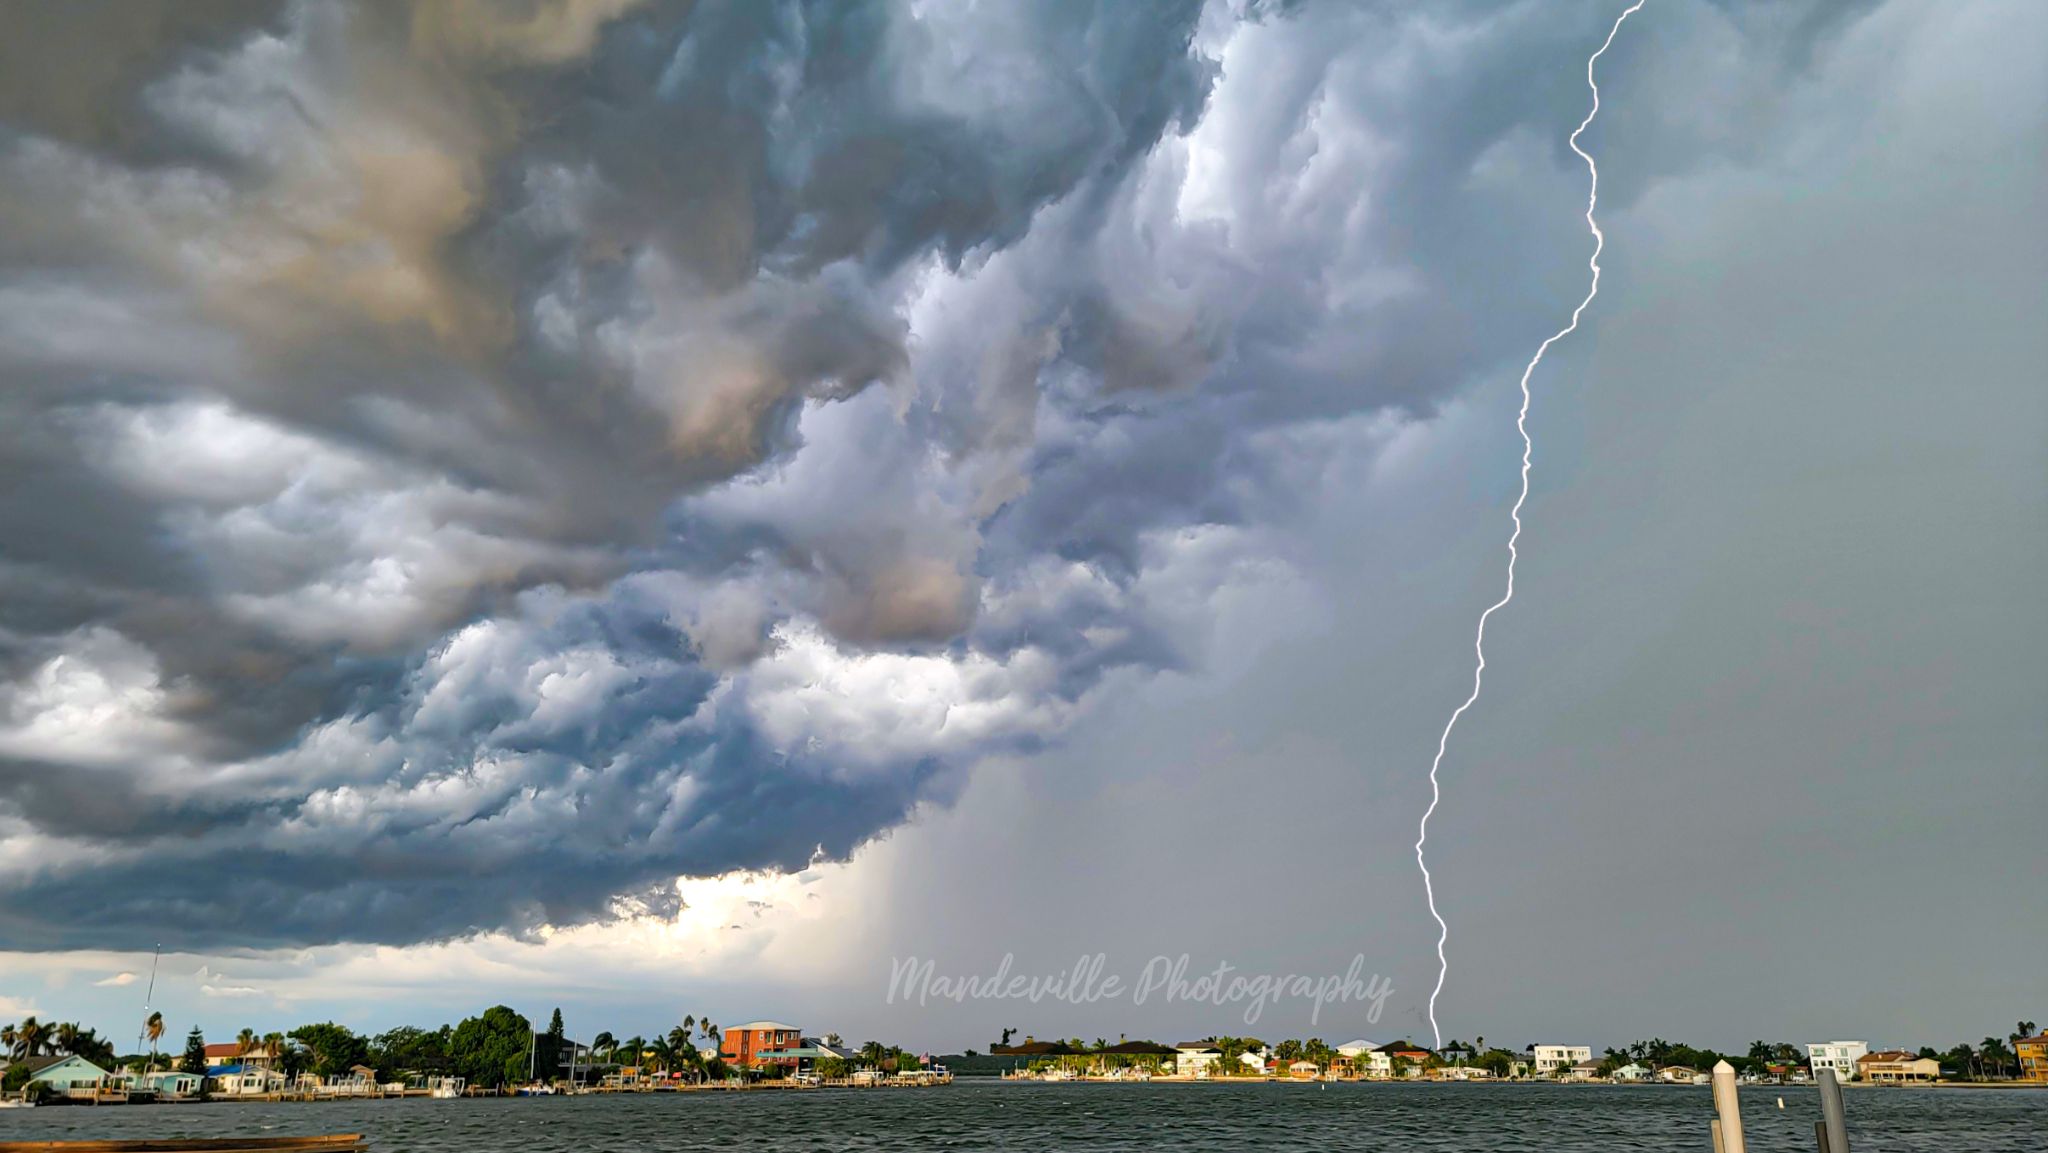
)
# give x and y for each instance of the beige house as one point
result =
(1896, 1066)
(1194, 1058)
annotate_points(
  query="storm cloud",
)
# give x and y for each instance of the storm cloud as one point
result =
(471, 464)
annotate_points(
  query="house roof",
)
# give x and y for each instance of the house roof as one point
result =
(770, 1026)
(41, 1065)
(38, 1064)
(1403, 1047)
(227, 1049)
(1033, 1049)
(1887, 1055)
(1196, 1047)
(1139, 1049)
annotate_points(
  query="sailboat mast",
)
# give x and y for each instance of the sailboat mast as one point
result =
(146, 999)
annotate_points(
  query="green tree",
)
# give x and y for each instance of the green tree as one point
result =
(1317, 1051)
(16, 1078)
(1994, 1054)
(154, 1028)
(194, 1060)
(333, 1049)
(491, 1050)
(407, 1050)
(548, 1049)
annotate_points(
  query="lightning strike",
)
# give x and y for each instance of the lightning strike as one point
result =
(1528, 448)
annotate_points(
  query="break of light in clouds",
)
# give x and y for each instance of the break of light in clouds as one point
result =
(895, 465)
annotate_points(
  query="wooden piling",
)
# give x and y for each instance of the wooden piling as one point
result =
(1831, 1113)
(1729, 1109)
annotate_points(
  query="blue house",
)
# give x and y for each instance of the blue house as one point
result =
(65, 1073)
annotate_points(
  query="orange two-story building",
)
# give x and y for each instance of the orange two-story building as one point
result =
(757, 1043)
(2033, 1055)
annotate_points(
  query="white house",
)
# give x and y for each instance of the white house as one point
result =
(1366, 1057)
(1584, 1071)
(1841, 1056)
(1632, 1072)
(1255, 1058)
(1551, 1058)
(1194, 1058)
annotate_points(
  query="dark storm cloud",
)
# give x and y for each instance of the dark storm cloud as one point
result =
(475, 463)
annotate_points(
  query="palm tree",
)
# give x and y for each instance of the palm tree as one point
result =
(245, 1042)
(638, 1046)
(154, 1028)
(67, 1037)
(10, 1039)
(34, 1037)
(605, 1043)
(1995, 1052)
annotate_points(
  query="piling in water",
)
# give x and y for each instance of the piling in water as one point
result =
(1831, 1115)
(1729, 1110)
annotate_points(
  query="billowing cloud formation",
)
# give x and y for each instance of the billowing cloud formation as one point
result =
(470, 464)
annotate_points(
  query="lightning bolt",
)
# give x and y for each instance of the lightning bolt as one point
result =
(1522, 426)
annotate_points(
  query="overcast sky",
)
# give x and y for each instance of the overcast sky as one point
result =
(954, 481)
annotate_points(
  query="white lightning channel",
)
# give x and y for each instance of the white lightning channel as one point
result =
(1528, 448)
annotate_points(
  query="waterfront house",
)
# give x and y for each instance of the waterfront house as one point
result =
(1550, 1059)
(755, 1044)
(1304, 1070)
(245, 1080)
(1678, 1074)
(1841, 1056)
(1632, 1072)
(1193, 1058)
(172, 1085)
(1407, 1055)
(1896, 1067)
(1457, 1053)
(804, 1058)
(1197, 1059)
(1134, 1055)
(1366, 1059)
(1584, 1071)
(65, 1074)
(2033, 1055)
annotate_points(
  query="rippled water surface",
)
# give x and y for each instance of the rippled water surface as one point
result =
(1268, 1118)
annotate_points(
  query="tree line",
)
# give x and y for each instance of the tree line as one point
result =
(498, 1047)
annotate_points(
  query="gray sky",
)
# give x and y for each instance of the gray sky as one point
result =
(1023, 482)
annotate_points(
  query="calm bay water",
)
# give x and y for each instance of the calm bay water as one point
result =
(982, 1115)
